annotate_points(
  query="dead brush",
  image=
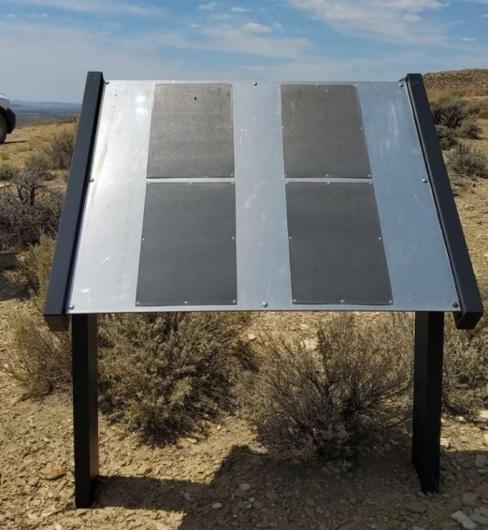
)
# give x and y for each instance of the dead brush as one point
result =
(336, 400)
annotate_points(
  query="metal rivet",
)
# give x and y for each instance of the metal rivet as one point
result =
(380, 238)
(289, 237)
(400, 84)
(234, 301)
(107, 82)
(294, 300)
(424, 181)
(455, 304)
(71, 307)
(92, 179)
(233, 238)
(342, 301)
(186, 302)
(265, 304)
(390, 301)
(255, 83)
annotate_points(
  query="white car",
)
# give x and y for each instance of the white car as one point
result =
(7, 118)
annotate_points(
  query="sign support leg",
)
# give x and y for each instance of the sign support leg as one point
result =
(429, 340)
(85, 406)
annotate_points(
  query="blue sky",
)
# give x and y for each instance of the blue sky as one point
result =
(47, 46)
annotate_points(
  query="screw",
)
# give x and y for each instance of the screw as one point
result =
(71, 307)
(380, 238)
(424, 181)
(107, 82)
(234, 301)
(294, 300)
(92, 179)
(400, 84)
(255, 83)
(265, 304)
(186, 302)
(342, 301)
(455, 304)
(390, 301)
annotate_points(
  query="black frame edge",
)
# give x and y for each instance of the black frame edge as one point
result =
(60, 279)
(467, 288)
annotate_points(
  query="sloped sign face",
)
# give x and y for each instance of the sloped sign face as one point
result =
(244, 196)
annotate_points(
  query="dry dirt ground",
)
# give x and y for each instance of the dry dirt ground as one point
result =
(227, 480)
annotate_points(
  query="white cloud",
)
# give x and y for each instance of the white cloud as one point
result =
(397, 21)
(254, 27)
(468, 39)
(208, 7)
(240, 41)
(95, 6)
(239, 9)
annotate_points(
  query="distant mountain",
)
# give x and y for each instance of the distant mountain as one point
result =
(36, 111)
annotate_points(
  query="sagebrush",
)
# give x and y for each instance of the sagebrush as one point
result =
(465, 164)
(60, 150)
(164, 375)
(336, 399)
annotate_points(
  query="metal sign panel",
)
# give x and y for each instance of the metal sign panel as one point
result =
(191, 132)
(323, 134)
(336, 247)
(188, 251)
(106, 269)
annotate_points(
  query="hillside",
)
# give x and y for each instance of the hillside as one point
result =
(469, 82)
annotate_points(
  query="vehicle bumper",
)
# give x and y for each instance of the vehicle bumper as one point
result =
(11, 120)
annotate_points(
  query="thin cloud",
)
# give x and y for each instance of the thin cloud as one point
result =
(254, 27)
(397, 21)
(95, 6)
(208, 7)
(239, 9)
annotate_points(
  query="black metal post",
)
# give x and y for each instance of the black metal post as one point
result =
(429, 341)
(85, 406)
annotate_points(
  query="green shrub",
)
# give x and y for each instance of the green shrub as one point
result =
(447, 136)
(465, 388)
(8, 172)
(164, 375)
(450, 112)
(41, 360)
(336, 400)
(465, 164)
(60, 150)
(470, 129)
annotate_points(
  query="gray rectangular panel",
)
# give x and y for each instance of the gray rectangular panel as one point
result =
(188, 251)
(191, 132)
(323, 132)
(336, 248)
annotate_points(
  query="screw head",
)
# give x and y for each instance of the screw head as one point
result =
(455, 304)
(71, 307)
(265, 304)
(255, 83)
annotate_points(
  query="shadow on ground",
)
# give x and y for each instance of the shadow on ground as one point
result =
(381, 492)
(9, 290)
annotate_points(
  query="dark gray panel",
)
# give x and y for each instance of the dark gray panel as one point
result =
(188, 251)
(323, 132)
(191, 132)
(336, 250)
